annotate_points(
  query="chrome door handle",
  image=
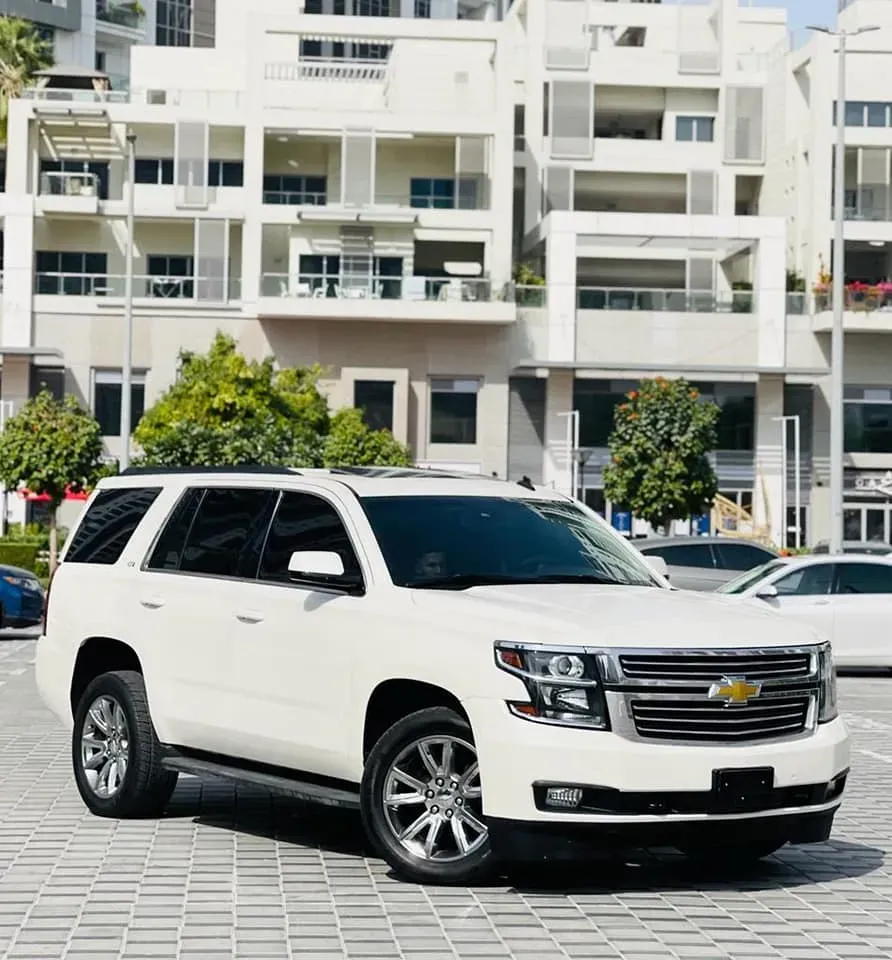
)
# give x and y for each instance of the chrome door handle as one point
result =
(152, 603)
(249, 616)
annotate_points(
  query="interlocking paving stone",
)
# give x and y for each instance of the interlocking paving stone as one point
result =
(236, 873)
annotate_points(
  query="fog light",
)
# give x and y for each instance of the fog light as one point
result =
(563, 797)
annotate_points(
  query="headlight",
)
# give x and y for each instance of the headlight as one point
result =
(827, 709)
(563, 685)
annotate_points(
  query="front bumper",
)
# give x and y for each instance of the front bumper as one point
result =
(515, 754)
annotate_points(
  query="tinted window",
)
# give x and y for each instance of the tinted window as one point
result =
(748, 579)
(305, 522)
(685, 555)
(110, 521)
(496, 540)
(864, 578)
(228, 531)
(740, 556)
(807, 581)
(169, 547)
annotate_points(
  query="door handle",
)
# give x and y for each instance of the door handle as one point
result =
(821, 603)
(249, 616)
(152, 603)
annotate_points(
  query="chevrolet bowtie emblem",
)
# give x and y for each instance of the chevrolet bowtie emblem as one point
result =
(735, 690)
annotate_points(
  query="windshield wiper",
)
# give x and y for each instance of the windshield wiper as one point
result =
(463, 581)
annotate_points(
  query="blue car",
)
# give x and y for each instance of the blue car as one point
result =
(21, 598)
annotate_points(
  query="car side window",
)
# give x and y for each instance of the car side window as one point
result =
(110, 522)
(855, 578)
(168, 550)
(740, 556)
(226, 536)
(304, 521)
(685, 555)
(811, 581)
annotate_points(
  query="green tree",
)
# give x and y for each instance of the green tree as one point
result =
(659, 468)
(351, 443)
(51, 447)
(22, 53)
(227, 410)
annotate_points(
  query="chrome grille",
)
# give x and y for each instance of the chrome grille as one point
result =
(703, 721)
(713, 667)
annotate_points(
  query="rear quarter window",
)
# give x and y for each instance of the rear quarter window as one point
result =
(110, 521)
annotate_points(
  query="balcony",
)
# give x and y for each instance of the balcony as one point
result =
(392, 298)
(868, 309)
(869, 203)
(68, 193)
(120, 13)
(175, 291)
(662, 301)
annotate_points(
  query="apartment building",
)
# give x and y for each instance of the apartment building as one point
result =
(292, 189)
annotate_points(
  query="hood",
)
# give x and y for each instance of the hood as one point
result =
(593, 615)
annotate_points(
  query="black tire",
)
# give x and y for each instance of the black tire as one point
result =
(474, 866)
(731, 857)
(146, 786)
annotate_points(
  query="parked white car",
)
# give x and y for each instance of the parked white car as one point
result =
(847, 599)
(485, 670)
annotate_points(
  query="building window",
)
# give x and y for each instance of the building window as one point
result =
(695, 129)
(99, 60)
(375, 399)
(107, 400)
(53, 185)
(47, 378)
(324, 273)
(434, 193)
(423, 9)
(866, 113)
(735, 429)
(170, 275)
(154, 170)
(295, 191)
(71, 274)
(453, 410)
(596, 400)
(868, 419)
(173, 23)
(226, 173)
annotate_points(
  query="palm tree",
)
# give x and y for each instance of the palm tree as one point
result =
(22, 53)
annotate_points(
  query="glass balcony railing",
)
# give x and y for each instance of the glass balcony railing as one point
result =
(677, 301)
(205, 290)
(121, 14)
(69, 184)
(859, 297)
(306, 286)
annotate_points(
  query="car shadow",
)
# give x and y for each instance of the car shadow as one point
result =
(253, 811)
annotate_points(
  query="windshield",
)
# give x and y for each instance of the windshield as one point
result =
(464, 541)
(746, 580)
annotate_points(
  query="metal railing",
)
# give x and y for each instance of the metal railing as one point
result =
(69, 184)
(327, 68)
(199, 289)
(120, 14)
(295, 198)
(680, 301)
(321, 287)
(396, 200)
(156, 96)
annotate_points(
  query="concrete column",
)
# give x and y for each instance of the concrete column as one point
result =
(769, 441)
(18, 271)
(560, 280)
(770, 289)
(558, 400)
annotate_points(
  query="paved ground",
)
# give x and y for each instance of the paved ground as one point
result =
(238, 874)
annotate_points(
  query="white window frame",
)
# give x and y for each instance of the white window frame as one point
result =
(696, 119)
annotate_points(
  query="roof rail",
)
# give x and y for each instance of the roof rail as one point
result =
(245, 468)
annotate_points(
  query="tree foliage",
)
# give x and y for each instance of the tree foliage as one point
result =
(226, 410)
(659, 468)
(51, 447)
(22, 53)
(351, 443)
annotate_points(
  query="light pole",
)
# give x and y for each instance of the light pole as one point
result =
(571, 446)
(797, 477)
(837, 350)
(127, 364)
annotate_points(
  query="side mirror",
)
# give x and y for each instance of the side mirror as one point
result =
(658, 565)
(315, 565)
(767, 591)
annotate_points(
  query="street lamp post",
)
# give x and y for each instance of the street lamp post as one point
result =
(127, 364)
(837, 350)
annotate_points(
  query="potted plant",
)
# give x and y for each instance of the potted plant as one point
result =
(525, 279)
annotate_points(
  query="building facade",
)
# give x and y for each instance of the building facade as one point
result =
(357, 183)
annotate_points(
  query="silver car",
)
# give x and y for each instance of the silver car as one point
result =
(705, 563)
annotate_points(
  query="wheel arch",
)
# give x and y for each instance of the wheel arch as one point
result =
(99, 655)
(396, 698)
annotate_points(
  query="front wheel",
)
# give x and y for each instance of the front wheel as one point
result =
(422, 802)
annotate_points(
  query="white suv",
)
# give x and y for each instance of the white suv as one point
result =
(484, 669)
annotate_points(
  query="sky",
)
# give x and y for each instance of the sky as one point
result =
(803, 12)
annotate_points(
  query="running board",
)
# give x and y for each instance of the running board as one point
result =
(330, 796)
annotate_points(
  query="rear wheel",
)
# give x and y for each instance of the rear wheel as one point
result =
(422, 802)
(116, 754)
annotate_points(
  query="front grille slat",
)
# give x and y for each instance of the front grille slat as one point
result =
(714, 667)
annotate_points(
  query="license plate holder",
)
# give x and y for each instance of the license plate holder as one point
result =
(742, 789)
